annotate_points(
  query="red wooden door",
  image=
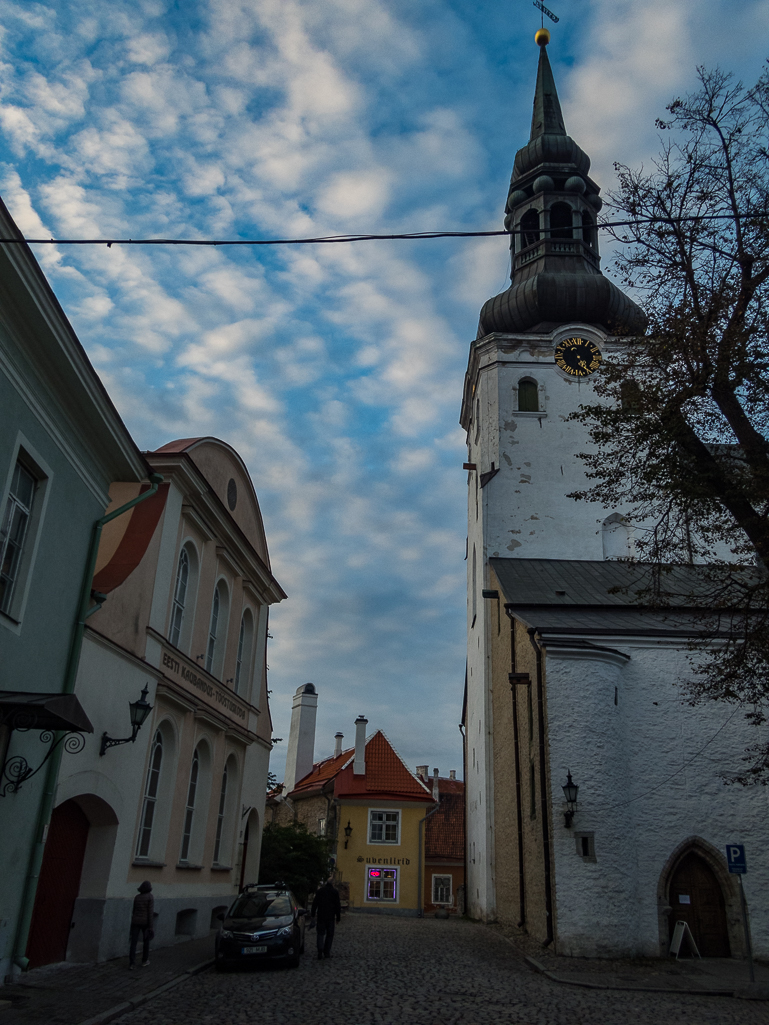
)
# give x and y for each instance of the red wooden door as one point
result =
(58, 886)
(697, 899)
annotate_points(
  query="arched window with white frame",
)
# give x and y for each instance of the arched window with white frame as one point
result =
(225, 818)
(185, 593)
(151, 790)
(217, 629)
(189, 809)
(244, 653)
(158, 796)
(528, 395)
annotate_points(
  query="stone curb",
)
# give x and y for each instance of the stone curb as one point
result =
(131, 1005)
(699, 991)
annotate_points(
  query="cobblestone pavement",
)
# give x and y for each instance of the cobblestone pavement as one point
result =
(69, 993)
(397, 971)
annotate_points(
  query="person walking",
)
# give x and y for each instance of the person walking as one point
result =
(141, 922)
(326, 910)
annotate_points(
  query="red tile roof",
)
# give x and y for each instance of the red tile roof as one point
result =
(445, 830)
(386, 778)
(181, 445)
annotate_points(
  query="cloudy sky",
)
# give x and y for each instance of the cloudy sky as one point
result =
(336, 371)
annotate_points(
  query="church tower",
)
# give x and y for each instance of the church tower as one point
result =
(569, 676)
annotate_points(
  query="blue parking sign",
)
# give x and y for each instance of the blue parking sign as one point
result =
(735, 858)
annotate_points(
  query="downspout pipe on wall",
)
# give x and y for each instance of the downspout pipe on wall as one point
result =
(517, 758)
(420, 908)
(85, 609)
(543, 792)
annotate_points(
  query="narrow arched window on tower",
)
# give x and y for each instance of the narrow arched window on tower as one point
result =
(630, 397)
(561, 223)
(530, 228)
(588, 230)
(528, 396)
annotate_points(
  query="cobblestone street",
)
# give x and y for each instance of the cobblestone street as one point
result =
(408, 972)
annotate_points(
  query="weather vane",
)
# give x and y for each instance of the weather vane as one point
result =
(545, 11)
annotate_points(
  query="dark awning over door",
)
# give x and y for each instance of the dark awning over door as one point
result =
(28, 710)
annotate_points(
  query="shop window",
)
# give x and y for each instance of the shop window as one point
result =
(382, 884)
(384, 827)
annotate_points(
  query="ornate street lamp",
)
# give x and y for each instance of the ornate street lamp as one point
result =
(139, 711)
(570, 791)
(347, 833)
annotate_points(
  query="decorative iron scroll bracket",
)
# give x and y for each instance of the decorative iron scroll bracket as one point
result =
(17, 770)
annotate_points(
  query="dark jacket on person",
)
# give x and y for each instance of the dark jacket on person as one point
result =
(326, 904)
(144, 906)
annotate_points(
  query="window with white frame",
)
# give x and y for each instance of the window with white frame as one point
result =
(150, 798)
(384, 827)
(243, 658)
(213, 630)
(180, 597)
(14, 529)
(220, 817)
(321, 827)
(442, 890)
(381, 883)
(189, 811)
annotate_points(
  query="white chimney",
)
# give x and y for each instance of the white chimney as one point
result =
(452, 773)
(338, 738)
(301, 738)
(422, 771)
(436, 788)
(359, 765)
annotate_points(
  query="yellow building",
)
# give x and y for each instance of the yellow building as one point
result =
(374, 808)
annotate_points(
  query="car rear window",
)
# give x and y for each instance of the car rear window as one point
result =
(261, 905)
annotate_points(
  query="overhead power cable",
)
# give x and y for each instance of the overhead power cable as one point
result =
(406, 235)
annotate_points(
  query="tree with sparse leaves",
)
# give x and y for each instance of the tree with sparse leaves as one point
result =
(681, 419)
(294, 856)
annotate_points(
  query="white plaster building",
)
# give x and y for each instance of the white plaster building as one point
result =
(566, 671)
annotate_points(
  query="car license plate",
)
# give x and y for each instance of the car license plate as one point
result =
(254, 950)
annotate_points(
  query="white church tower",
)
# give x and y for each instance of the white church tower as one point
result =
(566, 671)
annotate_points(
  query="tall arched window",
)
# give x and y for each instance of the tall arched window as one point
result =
(180, 598)
(245, 646)
(189, 812)
(528, 396)
(220, 817)
(150, 797)
(475, 587)
(212, 631)
(530, 228)
(561, 223)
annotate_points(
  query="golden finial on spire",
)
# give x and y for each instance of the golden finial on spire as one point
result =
(541, 37)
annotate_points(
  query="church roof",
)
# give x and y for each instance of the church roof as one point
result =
(556, 276)
(578, 596)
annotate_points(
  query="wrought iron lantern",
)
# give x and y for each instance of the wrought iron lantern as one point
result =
(570, 791)
(347, 833)
(139, 711)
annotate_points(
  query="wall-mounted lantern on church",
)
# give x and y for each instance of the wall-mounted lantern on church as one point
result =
(570, 791)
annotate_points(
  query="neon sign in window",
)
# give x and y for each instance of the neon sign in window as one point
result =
(381, 883)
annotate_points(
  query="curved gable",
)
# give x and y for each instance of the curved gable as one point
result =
(220, 464)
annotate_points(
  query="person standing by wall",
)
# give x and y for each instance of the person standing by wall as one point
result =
(326, 909)
(141, 922)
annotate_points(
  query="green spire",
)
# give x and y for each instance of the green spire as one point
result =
(547, 118)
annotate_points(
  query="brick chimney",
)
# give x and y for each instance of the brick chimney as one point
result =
(301, 737)
(359, 765)
(452, 773)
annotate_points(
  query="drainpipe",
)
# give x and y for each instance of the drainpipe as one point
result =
(70, 676)
(464, 810)
(517, 756)
(420, 908)
(543, 794)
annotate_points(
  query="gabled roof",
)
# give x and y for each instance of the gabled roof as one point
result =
(387, 777)
(445, 829)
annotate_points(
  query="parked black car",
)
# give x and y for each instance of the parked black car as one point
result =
(265, 923)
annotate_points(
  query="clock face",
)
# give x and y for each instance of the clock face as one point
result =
(577, 356)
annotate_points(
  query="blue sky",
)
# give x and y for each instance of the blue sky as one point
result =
(336, 371)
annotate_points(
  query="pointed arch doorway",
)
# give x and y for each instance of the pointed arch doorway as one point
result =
(696, 898)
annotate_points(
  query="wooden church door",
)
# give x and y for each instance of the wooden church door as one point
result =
(58, 886)
(697, 899)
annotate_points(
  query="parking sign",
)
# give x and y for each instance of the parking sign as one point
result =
(735, 858)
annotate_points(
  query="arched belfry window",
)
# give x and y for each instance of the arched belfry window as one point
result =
(561, 223)
(588, 230)
(528, 396)
(529, 228)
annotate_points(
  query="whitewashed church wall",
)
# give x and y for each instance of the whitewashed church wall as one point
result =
(621, 756)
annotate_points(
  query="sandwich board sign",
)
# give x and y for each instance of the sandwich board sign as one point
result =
(682, 930)
(735, 858)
